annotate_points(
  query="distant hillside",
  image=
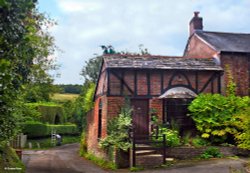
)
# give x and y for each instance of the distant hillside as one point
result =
(70, 88)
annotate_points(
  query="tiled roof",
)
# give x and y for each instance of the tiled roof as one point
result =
(228, 42)
(159, 62)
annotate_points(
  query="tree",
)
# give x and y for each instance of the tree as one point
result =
(24, 48)
(91, 70)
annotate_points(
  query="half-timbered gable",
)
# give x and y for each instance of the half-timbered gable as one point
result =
(151, 76)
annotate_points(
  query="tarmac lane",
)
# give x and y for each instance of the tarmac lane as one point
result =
(63, 159)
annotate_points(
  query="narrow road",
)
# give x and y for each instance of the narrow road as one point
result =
(63, 159)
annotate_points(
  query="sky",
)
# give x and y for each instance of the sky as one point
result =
(161, 26)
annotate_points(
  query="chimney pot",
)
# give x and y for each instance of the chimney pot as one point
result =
(196, 14)
(195, 23)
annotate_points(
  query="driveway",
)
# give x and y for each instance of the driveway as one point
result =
(63, 159)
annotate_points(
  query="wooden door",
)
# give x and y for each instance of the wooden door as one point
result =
(140, 116)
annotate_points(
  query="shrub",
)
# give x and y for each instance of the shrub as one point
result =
(172, 136)
(83, 145)
(38, 129)
(243, 123)
(50, 112)
(9, 159)
(34, 129)
(199, 142)
(118, 130)
(211, 152)
(213, 115)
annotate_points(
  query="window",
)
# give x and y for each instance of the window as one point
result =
(100, 119)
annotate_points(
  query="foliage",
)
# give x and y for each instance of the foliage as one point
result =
(243, 122)
(231, 85)
(9, 159)
(69, 88)
(118, 130)
(45, 143)
(99, 161)
(172, 136)
(88, 97)
(83, 144)
(136, 169)
(213, 115)
(39, 92)
(25, 47)
(90, 71)
(211, 152)
(38, 129)
(200, 142)
(50, 112)
(61, 98)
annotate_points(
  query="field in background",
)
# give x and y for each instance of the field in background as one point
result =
(64, 97)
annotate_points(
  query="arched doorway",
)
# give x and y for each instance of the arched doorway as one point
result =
(176, 101)
(57, 119)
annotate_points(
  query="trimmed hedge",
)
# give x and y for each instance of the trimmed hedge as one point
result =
(50, 112)
(38, 129)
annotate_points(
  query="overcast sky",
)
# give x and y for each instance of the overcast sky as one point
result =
(160, 25)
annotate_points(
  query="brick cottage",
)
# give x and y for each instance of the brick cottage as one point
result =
(167, 84)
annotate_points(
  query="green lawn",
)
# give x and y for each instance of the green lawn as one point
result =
(45, 143)
(64, 97)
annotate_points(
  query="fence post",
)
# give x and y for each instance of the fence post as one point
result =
(164, 149)
(133, 151)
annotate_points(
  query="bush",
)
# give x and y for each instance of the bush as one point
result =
(38, 129)
(213, 115)
(50, 112)
(118, 130)
(243, 123)
(211, 152)
(172, 136)
(9, 159)
(34, 129)
(199, 142)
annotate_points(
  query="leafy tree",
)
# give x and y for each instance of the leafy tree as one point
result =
(91, 70)
(24, 48)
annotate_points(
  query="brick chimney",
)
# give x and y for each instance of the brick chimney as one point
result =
(195, 23)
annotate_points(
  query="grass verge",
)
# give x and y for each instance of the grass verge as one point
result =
(9, 161)
(100, 162)
(45, 143)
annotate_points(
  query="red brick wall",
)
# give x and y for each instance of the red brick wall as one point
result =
(155, 81)
(157, 104)
(102, 84)
(239, 68)
(110, 108)
(92, 127)
(142, 88)
(198, 49)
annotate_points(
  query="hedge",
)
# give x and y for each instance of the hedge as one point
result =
(38, 129)
(50, 112)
